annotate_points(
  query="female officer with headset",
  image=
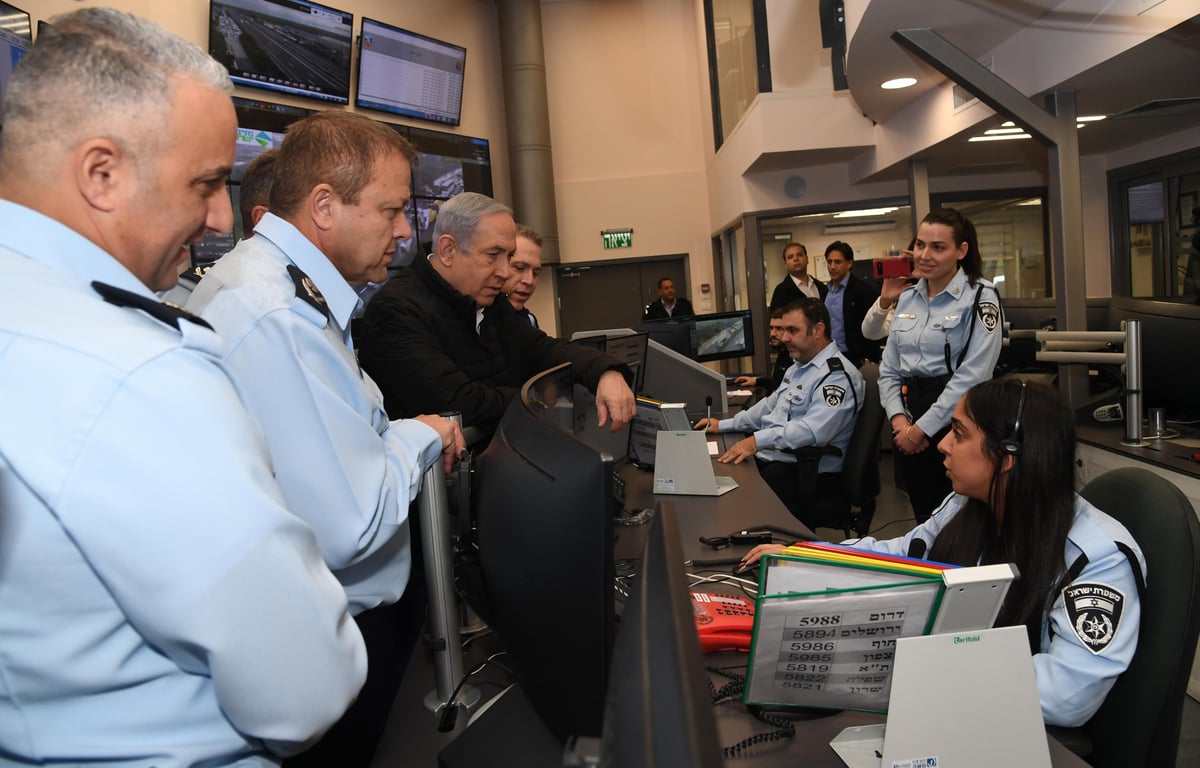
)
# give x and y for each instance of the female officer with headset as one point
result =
(1010, 456)
(945, 338)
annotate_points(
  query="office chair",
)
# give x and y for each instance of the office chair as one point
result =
(1138, 724)
(852, 506)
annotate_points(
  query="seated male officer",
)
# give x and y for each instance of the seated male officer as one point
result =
(436, 339)
(783, 359)
(815, 406)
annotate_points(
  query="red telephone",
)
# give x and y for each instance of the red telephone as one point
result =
(724, 622)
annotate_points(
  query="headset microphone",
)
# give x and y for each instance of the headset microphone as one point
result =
(1012, 444)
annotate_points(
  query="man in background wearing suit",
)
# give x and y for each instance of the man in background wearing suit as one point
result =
(848, 298)
(667, 305)
(798, 283)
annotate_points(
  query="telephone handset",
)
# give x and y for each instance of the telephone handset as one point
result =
(724, 622)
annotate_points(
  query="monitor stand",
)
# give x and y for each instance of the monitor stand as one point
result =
(506, 733)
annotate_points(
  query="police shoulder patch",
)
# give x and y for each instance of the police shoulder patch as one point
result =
(1095, 612)
(833, 395)
(989, 315)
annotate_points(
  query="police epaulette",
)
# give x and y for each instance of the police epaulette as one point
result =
(307, 290)
(169, 314)
(195, 274)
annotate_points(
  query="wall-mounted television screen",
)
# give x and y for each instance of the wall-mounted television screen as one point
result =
(292, 46)
(16, 35)
(260, 126)
(450, 164)
(409, 74)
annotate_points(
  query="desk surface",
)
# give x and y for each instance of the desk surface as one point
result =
(751, 504)
(1173, 454)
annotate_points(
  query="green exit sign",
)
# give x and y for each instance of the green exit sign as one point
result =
(617, 238)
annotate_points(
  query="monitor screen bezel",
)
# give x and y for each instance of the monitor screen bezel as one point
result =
(338, 97)
(449, 118)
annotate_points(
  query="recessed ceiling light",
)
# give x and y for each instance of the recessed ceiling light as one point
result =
(863, 212)
(1003, 137)
(899, 82)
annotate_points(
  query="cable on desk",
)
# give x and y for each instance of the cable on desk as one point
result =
(449, 715)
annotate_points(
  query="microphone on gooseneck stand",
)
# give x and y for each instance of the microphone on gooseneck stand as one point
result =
(916, 548)
(708, 402)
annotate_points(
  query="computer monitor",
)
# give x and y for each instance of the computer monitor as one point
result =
(671, 376)
(543, 521)
(1170, 352)
(291, 46)
(672, 334)
(410, 74)
(722, 336)
(658, 711)
(630, 350)
(675, 378)
(16, 36)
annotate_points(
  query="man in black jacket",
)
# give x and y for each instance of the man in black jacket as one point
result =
(435, 339)
(848, 298)
(798, 282)
(667, 305)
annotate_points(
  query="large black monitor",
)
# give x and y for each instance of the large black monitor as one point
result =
(674, 334)
(1170, 352)
(722, 336)
(449, 163)
(675, 378)
(16, 35)
(409, 74)
(292, 46)
(544, 536)
(659, 714)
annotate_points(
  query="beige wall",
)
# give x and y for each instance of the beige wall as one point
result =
(630, 121)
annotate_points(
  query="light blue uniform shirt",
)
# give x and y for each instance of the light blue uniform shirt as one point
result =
(1073, 675)
(343, 467)
(807, 409)
(916, 345)
(158, 605)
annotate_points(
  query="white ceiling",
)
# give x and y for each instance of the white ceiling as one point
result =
(1163, 68)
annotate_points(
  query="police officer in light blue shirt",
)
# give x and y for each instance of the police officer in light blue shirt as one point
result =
(282, 300)
(815, 405)
(1010, 457)
(159, 606)
(945, 337)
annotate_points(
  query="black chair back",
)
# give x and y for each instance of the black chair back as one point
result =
(860, 467)
(1138, 724)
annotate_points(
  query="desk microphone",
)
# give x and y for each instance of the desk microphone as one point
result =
(708, 402)
(916, 548)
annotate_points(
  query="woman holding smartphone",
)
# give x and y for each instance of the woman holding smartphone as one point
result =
(944, 338)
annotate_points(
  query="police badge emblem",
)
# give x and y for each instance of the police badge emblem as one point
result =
(1095, 613)
(833, 395)
(989, 315)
